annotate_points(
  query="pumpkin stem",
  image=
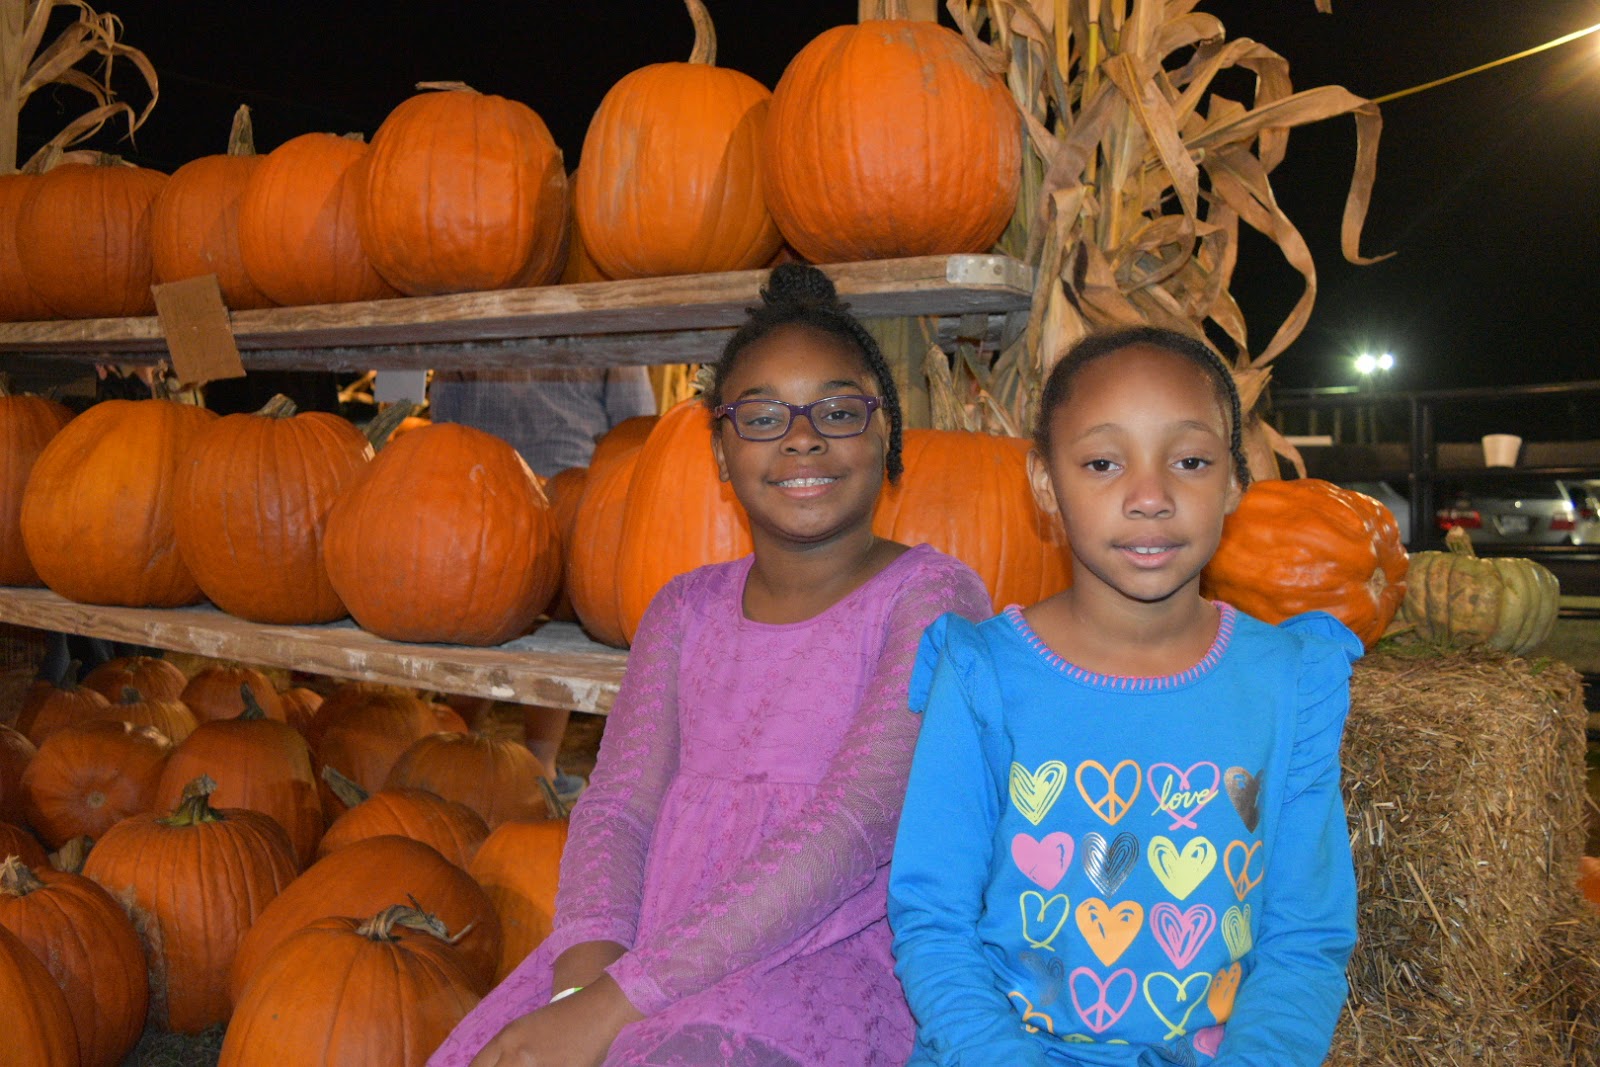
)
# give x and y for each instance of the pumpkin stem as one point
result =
(705, 34)
(1458, 541)
(279, 407)
(242, 137)
(17, 878)
(130, 695)
(346, 789)
(194, 808)
(70, 857)
(384, 424)
(381, 926)
(449, 87)
(552, 801)
(252, 707)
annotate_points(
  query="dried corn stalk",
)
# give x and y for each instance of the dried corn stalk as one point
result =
(28, 64)
(1137, 175)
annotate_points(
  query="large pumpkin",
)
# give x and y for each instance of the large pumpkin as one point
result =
(591, 573)
(1304, 545)
(27, 424)
(218, 692)
(1456, 598)
(34, 1016)
(85, 779)
(670, 177)
(194, 223)
(998, 530)
(446, 536)
(889, 138)
(496, 777)
(97, 513)
(564, 490)
(519, 866)
(452, 828)
(297, 224)
(362, 736)
(83, 236)
(18, 301)
(463, 192)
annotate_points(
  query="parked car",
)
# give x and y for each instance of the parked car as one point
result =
(1391, 498)
(1525, 511)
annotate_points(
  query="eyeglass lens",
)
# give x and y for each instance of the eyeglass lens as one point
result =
(839, 416)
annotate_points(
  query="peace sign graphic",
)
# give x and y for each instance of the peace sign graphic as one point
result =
(1099, 1015)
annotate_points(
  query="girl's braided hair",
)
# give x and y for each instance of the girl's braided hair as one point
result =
(1058, 387)
(797, 294)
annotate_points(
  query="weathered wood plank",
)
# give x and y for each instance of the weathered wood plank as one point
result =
(557, 666)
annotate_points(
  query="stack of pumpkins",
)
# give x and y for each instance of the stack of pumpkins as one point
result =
(214, 839)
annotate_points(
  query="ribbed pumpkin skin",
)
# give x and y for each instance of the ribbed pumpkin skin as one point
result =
(1020, 552)
(494, 776)
(1505, 603)
(670, 177)
(300, 707)
(705, 523)
(215, 692)
(86, 779)
(172, 718)
(27, 424)
(1308, 545)
(565, 490)
(192, 891)
(596, 535)
(444, 537)
(194, 227)
(97, 513)
(365, 877)
(152, 676)
(377, 1001)
(362, 739)
(18, 301)
(15, 841)
(89, 946)
(464, 191)
(297, 224)
(518, 866)
(83, 235)
(16, 752)
(34, 1016)
(889, 139)
(452, 828)
(49, 708)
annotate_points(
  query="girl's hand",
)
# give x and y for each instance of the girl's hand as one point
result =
(584, 964)
(576, 1031)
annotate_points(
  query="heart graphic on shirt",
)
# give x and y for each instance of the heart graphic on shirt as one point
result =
(1051, 974)
(1182, 871)
(1182, 934)
(1104, 794)
(1030, 1017)
(1108, 866)
(1109, 930)
(1209, 1039)
(1242, 882)
(1102, 1013)
(1035, 792)
(1224, 987)
(1244, 789)
(1180, 796)
(1172, 995)
(1236, 931)
(1044, 862)
(1037, 919)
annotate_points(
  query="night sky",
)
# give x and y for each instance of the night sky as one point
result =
(1485, 187)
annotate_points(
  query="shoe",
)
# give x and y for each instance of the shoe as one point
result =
(569, 787)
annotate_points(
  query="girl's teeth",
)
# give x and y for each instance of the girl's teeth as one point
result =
(1145, 551)
(805, 483)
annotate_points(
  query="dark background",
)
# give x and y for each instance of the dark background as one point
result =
(1485, 186)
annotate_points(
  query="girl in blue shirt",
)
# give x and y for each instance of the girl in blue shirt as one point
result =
(1123, 841)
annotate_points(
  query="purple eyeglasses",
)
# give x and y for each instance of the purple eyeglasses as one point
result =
(770, 420)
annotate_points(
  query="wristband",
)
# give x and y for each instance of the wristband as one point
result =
(565, 993)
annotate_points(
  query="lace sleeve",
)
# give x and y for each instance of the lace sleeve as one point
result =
(602, 872)
(837, 843)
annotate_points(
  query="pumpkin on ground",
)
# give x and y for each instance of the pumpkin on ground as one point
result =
(16, 752)
(27, 423)
(18, 301)
(452, 828)
(89, 946)
(47, 708)
(150, 675)
(390, 990)
(251, 505)
(371, 874)
(889, 138)
(446, 536)
(217, 692)
(1456, 598)
(463, 191)
(87, 778)
(34, 1016)
(194, 222)
(15, 841)
(194, 881)
(496, 777)
(172, 718)
(300, 706)
(518, 866)
(361, 737)
(1304, 545)
(97, 512)
(669, 181)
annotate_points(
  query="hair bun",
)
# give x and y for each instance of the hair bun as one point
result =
(799, 285)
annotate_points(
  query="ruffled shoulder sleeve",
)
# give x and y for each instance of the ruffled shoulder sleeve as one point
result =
(1328, 648)
(949, 635)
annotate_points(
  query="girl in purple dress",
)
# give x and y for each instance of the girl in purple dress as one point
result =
(722, 898)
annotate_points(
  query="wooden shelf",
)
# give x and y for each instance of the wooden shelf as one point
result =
(648, 321)
(557, 666)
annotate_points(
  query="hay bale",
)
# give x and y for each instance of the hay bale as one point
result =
(1464, 781)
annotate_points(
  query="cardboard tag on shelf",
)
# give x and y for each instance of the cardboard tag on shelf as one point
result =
(392, 385)
(199, 337)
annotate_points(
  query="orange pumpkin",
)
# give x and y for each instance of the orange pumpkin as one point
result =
(27, 424)
(362, 737)
(83, 236)
(87, 778)
(494, 776)
(194, 223)
(97, 512)
(34, 1014)
(1306, 544)
(217, 692)
(444, 537)
(16, 752)
(172, 718)
(15, 841)
(47, 708)
(152, 676)
(670, 178)
(579, 266)
(452, 828)
(622, 438)
(518, 866)
(300, 706)
(18, 301)
(565, 490)
(463, 192)
(297, 228)
(591, 575)
(889, 138)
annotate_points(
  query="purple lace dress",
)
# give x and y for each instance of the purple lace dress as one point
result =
(737, 832)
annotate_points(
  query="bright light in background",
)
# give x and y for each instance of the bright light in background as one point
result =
(1386, 362)
(1367, 363)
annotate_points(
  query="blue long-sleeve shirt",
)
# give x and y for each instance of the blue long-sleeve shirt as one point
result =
(1126, 872)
